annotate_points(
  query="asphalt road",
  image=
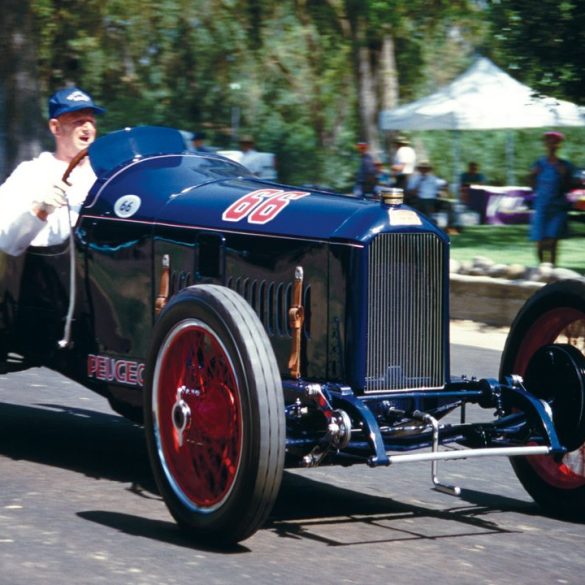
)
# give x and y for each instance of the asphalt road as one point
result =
(78, 506)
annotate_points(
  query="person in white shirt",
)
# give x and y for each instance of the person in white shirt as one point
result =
(250, 158)
(36, 207)
(404, 162)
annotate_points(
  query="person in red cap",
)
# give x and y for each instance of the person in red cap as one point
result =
(367, 174)
(36, 207)
(550, 179)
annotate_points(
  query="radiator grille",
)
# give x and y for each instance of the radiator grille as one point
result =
(405, 347)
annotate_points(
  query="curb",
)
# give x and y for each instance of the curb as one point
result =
(493, 301)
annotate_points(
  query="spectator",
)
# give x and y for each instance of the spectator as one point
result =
(36, 207)
(366, 177)
(383, 175)
(198, 142)
(423, 191)
(550, 179)
(250, 158)
(403, 163)
(472, 176)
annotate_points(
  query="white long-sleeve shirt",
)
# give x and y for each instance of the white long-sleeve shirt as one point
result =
(405, 157)
(30, 182)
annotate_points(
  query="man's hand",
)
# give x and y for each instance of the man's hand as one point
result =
(53, 199)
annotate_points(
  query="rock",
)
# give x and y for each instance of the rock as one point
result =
(482, 263)
(515, 272)
(476, 271)
(542, 273)
(486, 292)
(533, 274)
(483, 299)
(454, 266)
(563, 274)
(497, 271)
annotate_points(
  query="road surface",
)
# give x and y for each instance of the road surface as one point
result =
(78, 506)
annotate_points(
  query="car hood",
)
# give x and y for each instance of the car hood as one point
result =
(145, 176)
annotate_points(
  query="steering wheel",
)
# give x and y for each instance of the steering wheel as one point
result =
(65, 342)
(74, 162)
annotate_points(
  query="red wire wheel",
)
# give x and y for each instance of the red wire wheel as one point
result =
(554, 315)
(214, 415)
(198, 414)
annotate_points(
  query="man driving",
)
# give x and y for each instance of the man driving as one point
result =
(33, 200)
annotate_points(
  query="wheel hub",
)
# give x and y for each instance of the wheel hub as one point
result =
(556, 374)
(181, 418)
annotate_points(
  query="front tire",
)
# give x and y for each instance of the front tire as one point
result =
(554, 315)
(214, 415)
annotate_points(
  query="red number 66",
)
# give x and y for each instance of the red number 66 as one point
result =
(261, 206)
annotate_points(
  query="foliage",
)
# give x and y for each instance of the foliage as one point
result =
(505, 156)
(292, 72)
(544, 42)
(287, 70)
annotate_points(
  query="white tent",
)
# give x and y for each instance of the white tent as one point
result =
(483, 98)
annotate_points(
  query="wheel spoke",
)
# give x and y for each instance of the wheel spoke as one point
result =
(197, 382)
(560, 325)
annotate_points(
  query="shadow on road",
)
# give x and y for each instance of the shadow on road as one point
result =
(106, 446)
(329, 514)
(158, 530)
(100, 445)
(316, 511)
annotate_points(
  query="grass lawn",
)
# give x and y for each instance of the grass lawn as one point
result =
(510, 245)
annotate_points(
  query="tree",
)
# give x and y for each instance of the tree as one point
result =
(307, 77)
(20, 120)
(550, 60)
(389, 41)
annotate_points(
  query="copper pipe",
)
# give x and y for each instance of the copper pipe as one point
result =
(296, 318)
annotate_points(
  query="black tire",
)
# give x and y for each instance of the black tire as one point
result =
(555, 314)
(214, 415)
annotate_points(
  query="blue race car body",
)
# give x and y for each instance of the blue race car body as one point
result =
(253, 325)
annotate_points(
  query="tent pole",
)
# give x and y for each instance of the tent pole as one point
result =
(456, 134)
(510, 157)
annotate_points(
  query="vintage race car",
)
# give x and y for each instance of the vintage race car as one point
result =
(252, 326)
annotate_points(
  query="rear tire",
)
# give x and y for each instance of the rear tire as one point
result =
(214, 415)
(554, 315)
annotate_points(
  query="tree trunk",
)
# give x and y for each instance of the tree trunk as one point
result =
(374, 68)
(388, 75)
(314, 81)
(366, 88)
(368, 101)
(388, 81)
(20, 115)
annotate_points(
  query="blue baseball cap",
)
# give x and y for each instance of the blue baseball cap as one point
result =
(71, 99)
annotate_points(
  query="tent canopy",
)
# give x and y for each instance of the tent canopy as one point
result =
(483, 98)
